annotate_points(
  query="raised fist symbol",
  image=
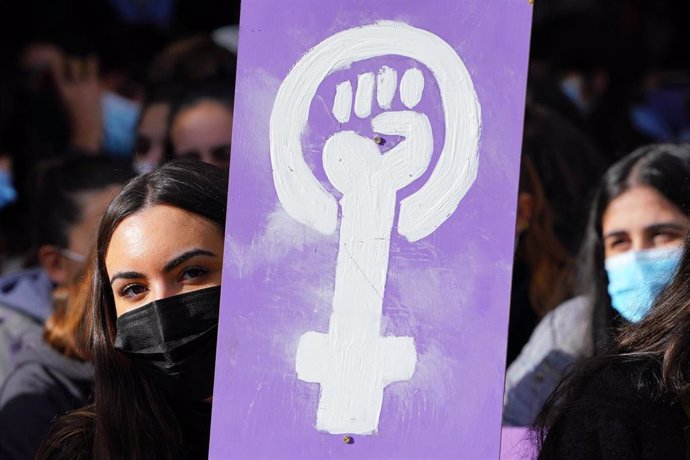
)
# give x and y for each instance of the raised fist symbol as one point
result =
(349, 157)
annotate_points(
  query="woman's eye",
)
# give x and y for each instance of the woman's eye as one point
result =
(662, 238)
(617, 243)
(132, 290)
(192, 273)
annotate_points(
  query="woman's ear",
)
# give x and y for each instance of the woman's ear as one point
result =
(53, 263)
(525, 212)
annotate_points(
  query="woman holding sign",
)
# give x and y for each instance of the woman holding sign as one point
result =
(155, 314)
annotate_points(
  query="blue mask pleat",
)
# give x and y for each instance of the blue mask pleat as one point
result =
(8, 194)
(120, 117)
(637, 277)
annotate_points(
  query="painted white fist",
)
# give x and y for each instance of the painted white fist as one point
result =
(349, 157)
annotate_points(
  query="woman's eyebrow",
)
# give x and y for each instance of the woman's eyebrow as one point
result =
(186, 256)
(666, 225)
(616, 233)
(126, 276)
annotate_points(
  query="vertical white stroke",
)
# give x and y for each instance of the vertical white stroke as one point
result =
(386, 84)
(365, 94)
(411, 88)
(342, 103)
(353, 362)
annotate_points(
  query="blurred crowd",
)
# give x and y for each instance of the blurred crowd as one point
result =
(94, 93)
(137, 81)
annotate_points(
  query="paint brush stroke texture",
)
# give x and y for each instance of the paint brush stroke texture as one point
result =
(448, 291)
(353, 363)
(304, 197)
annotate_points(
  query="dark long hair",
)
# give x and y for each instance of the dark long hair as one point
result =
(548, 261)
(129, 417)
(67, 329)
(663, 167)
(568, 166)
(650, 357)
(218, 91)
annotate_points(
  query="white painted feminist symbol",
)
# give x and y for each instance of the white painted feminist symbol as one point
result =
(353, 363)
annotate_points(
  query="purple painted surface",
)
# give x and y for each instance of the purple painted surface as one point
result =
(516, 445)
(450, 290)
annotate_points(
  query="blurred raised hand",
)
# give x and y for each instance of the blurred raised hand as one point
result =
(78, 83)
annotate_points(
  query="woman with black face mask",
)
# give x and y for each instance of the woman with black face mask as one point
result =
(156, 293)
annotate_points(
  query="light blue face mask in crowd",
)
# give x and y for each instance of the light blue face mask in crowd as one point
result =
(120, 117)
(8, 194)
(637, 277)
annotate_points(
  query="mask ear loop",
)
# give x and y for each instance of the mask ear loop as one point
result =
(75, 256)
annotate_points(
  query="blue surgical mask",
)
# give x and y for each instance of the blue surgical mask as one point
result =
(637, 277)
(8, 194)
(572, 88)
(120, 118)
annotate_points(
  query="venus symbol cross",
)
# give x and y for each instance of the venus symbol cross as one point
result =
(353, 363)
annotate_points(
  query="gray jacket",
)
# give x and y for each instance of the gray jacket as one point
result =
(562, 337)
(43, 386)
(25, 304)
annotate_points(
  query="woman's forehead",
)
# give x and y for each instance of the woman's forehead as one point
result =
(638, 208)
(157, 233)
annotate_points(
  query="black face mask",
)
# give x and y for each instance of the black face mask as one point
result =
(173, 342)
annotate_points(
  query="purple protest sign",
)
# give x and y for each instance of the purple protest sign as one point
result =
(516, 444)
(371, 218)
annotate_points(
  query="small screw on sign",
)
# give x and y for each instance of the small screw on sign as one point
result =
(348, 440)
(531, 2)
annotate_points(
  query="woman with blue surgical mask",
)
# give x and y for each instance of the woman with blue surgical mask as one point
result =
(643, 234)
(638, 222)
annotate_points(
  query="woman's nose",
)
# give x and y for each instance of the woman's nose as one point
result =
(163, 290)
(642, 243)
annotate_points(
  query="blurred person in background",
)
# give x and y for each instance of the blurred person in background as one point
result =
(201, 126)
(79, 82)
(560, 170)
(70, 201)
(10, 218)
(180, 76)
(192, 60)
(541, 269)
(661, 110)
(52, 373)
(64, 107)
(8, 194)
(568, 166)
(638, 222)
(576, 70)
(152, 132)
(14, 219)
